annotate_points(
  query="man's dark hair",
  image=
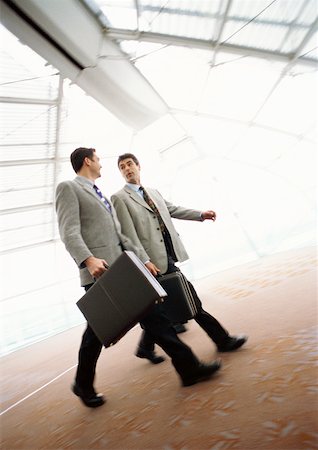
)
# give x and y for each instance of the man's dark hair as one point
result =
(78, 156)
(126, 156)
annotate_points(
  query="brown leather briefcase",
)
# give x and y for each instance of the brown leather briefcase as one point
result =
(120, 298)
(179, 305)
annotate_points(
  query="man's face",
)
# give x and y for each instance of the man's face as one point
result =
(130, 171)
(94, 166)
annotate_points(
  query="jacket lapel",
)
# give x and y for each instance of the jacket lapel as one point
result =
(137, 198)
(91, 192)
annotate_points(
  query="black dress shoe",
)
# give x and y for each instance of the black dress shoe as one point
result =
(147, 354)
(232, 343)
(92, 400)
(179, 328)
(204, 372)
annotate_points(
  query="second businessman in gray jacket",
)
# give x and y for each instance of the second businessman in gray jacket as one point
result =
(145, 218)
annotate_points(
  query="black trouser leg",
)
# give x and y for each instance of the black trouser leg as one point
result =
(208, 323)
(146, 342)
(87, 357)
(159, 328)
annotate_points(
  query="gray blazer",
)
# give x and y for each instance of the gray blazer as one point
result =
(140, 224)
(86, 226)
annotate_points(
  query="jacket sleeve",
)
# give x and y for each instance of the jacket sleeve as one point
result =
(68, 216)
(179, 212)
(128, 228)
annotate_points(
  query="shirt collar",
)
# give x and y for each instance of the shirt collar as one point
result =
(85, 180)
(134, 187)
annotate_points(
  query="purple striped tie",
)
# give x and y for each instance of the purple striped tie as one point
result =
(103, 199)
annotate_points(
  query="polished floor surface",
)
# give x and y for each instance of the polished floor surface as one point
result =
(264, 397)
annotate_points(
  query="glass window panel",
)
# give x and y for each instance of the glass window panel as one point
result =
(55, 266)
(298, 166)
(293, 105)
(26, 197)
(282, 11)
(262, 147)
(254, 35)
(311, 134)
(159, 135)
(183, 25)
(26, 176)
(179, 154)
(308, 13)
(25, 219)
(238, 89)
(185, 10)
(26, 124)
(23, 73)
(36, 315)
(26, 152)
(120, 14)
(65, 170)
(293, 40)
(105, 132)
(214, 136)
(178, 74)
(310, 50)
(25, 236)
(258, 214)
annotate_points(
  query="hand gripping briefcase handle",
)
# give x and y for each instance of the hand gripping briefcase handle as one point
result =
(180, 305)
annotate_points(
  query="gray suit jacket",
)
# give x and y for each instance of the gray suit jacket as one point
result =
(86, 226)
(141, 225)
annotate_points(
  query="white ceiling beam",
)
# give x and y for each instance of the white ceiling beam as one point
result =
(68, 36)
(220, 31)
(137, 12)
(207, 15)
(146, 36)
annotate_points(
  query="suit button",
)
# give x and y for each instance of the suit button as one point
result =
(158, 229)
(161, 240)
(154, 217)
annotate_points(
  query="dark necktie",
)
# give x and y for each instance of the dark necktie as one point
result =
(163, 228)
(152, 205)
(104, 200)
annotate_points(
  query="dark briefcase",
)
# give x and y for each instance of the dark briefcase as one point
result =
(120, 298)
(179, 305)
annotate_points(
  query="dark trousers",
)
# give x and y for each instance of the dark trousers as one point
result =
(208, 323)
(87, 357)
(158, 328)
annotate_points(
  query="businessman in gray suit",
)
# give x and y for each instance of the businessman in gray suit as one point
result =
(145, 217)
(92, 235)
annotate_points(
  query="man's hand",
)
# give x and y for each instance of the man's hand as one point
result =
(96, 266)
(208, 215)
(152, 268)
